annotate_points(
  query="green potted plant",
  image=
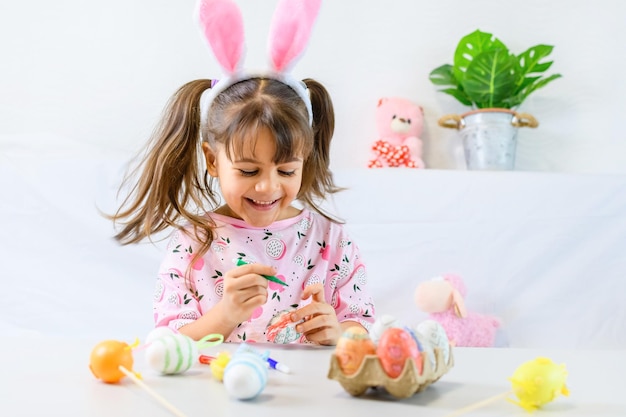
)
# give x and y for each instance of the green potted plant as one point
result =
(494, 82)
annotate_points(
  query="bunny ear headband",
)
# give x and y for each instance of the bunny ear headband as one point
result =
(222, 26)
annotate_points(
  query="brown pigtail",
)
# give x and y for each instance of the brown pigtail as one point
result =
(169, 188)
(317, 181)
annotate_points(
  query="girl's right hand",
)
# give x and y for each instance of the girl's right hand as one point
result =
(245, 289)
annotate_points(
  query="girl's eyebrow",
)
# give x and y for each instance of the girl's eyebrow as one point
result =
(286, 161)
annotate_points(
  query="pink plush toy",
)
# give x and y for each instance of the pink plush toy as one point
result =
(442, 297)
(399, 122)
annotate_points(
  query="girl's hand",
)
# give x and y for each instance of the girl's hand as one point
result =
(245, 289)
(320, 323)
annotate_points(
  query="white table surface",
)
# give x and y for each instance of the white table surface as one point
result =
(50, 377)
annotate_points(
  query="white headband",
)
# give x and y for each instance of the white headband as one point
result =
(222, 26)
(209, 95)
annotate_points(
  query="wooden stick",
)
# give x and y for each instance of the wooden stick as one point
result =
(149, 390)
(479, 404)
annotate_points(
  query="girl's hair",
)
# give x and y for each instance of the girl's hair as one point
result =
(170, 187)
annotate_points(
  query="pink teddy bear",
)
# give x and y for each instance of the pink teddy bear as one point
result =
(443, 298)
(399, 122)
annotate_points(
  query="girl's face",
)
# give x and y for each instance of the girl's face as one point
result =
(256, 189)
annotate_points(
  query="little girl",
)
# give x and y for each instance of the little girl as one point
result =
(244, 261)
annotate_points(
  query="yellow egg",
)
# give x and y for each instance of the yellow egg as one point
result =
(538, 382)
(352, 347)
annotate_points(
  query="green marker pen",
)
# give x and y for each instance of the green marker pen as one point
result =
(267, 277)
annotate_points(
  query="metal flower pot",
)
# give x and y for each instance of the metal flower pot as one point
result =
(489, 136)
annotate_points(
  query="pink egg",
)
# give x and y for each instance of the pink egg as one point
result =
(394, 348)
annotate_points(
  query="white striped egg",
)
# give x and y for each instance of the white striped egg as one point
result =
(172, 353)
(245, 376)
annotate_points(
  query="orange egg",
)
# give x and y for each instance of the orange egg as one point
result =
(395, 346)
(352, 347)
(106, 358)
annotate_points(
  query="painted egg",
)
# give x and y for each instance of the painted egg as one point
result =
(245, 376)
(436, 335)
(106, 359)
(395, 347)
(381, 324)
(425, 346)
(281, 329)
(352, 347)
(171, 354)
(538, 382)
(420, 348)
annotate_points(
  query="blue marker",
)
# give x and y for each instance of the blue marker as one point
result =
(278, 366)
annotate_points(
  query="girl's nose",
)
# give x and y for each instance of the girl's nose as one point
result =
(267, 183)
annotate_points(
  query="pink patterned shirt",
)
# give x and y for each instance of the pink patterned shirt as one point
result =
(305, 249)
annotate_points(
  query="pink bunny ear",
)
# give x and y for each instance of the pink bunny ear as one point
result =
(290, 31)
(222, 26)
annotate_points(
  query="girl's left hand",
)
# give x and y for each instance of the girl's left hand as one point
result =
(319, 320)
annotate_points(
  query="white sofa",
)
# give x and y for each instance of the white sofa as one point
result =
(544, 252)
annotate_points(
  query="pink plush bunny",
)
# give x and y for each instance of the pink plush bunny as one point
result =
(443, 298)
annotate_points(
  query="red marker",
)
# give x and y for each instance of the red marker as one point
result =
(205, 359)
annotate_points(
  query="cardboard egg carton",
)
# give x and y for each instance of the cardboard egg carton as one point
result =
(371, 374)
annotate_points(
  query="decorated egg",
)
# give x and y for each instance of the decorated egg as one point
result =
(381, 324)
(281, 329)
(352, 347)
(435, 334)
(426, 347)
(245, 376)
(106, 359)
(538, 382)
(172, 354)
(395, 347)
(420, 348)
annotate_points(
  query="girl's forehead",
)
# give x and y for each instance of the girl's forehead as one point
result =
(263, 143)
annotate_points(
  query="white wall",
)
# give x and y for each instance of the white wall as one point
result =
(100, 72)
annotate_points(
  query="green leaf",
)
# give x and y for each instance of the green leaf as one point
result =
(443, 75)
(459, 95)
(469, 47)
(490, 78)
(529, 59)
(540, 84)
(526, 81)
